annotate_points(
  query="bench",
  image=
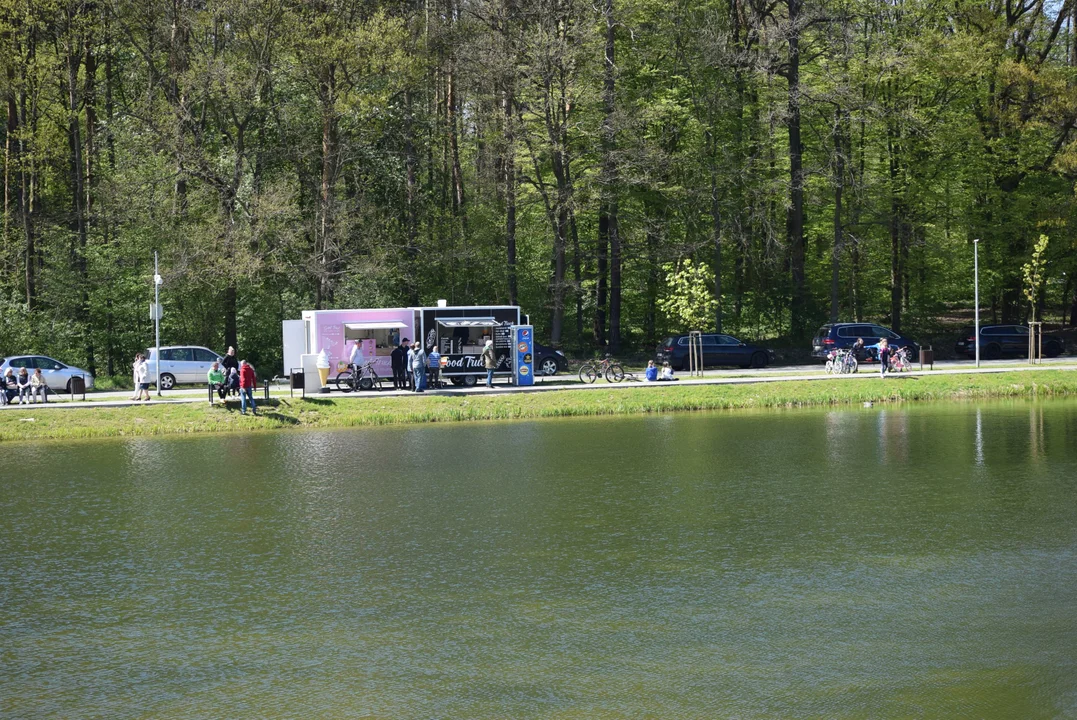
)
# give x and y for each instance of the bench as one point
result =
(211, 389)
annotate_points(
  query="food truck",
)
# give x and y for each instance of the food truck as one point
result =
(458, 332)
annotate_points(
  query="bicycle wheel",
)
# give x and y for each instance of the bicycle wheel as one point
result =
(616, 373)
(854, 366)
(829, 367)
(588, 374)
(366, 383)
(345, 382)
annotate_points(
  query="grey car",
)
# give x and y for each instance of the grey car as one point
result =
(57, 374)
(180, 365)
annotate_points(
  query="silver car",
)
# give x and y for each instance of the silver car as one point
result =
(180, 364)
(57, 374)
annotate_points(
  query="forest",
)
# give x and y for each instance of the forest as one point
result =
(622, 169)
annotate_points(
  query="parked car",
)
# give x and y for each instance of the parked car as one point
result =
(839, 336)
(180, 364)
(999, 340)
(57, 374)
(717, 350)
(549, 361)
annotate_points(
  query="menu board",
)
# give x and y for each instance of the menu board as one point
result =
(503, 337)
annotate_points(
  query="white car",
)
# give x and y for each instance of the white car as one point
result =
(180, 364)
(57, 374)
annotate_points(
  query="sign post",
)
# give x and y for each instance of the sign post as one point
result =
(523, 355)
(157, 323)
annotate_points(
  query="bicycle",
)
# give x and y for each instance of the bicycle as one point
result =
(366, 379)
(605, 367)
(841, 362)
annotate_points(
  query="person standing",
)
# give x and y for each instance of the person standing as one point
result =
(398, 358)
(356, 358)
(247, 381)
(418, 367)
(884, 357)
(434, 364)
(230, 363)
(142, 384)
(489, 361)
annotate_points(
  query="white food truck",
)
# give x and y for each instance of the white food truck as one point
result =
(458, 332)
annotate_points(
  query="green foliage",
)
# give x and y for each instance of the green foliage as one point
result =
(689, 299)
(1033, 273)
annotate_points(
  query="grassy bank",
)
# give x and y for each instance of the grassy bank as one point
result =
(22, 425)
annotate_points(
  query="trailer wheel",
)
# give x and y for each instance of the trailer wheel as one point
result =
(456, 381)
(470, 380)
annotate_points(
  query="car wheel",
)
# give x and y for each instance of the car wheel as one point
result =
(548, 366)
(1052, 350)
(992, 352)
(470, 380)
(759, 360)
(167, 381)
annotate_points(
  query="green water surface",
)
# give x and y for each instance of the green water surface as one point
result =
(863, 563)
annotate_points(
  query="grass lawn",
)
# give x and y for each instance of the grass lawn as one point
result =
(282, 413)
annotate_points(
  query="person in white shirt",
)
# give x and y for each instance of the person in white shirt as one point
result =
(356, 359)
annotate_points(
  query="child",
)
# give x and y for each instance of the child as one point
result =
(651, 373)
(23, 385)
(37, 386)
(884, 357)
(667, 372)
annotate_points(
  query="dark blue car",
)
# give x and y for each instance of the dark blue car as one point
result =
(717, 349)
(838, 336)
(999, 340)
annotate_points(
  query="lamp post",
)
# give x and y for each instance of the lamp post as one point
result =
(157, 322)
(976, 285)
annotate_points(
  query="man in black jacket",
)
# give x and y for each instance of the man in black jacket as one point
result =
(228, 365)
(399, 360)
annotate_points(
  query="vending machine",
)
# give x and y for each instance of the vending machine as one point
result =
(523, 354)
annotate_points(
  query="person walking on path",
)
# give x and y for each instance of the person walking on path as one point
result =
(23, 384)
(398, 358)
(142, 385)
(247, 382)
(37, 386)
(489, 361)
(418, 368)
(215, 378)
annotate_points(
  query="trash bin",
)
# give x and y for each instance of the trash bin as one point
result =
(297, 382)
(77, 386)
(927, 355)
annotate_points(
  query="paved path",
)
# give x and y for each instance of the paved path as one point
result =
(713, 377)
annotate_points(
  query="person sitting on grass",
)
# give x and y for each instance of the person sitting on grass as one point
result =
(651, 373)
(667, 373)
(215, 378)
(37, 386)
(23, 384)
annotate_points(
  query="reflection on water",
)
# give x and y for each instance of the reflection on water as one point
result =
(886, 562)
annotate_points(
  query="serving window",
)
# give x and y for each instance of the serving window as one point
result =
(466, 336)
(385, 335)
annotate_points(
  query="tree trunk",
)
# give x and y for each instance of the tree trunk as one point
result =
(78, 187)
(608, 218)
(509, 165)
(896, 230)
(794, 226)
(839, 184)
(716, 239)
(326, 249)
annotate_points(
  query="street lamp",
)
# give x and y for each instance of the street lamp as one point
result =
(157, 322)
(976, 285)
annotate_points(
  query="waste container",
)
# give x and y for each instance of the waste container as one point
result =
(77, 386)
(297, 380)
(927, 355)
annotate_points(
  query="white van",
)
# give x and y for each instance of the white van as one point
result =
(180, 364)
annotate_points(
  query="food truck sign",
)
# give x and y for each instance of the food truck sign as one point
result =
(523, 366)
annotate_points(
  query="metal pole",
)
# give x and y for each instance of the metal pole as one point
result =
(976, 282)
(157, 322)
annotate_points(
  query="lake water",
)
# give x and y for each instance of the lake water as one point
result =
(861, 563)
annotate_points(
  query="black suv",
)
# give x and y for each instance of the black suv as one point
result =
(838, 336)
(999, 340)
(717, 350)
